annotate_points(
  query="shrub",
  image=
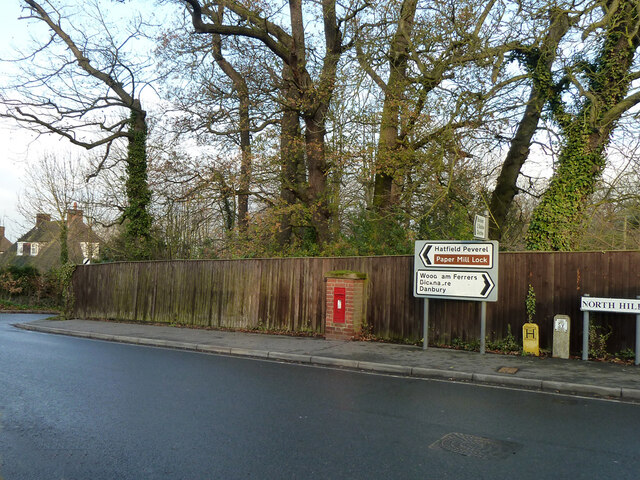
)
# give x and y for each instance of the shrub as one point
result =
(598, 341)
(26, 286)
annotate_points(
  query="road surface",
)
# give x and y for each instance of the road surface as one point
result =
(73, 408)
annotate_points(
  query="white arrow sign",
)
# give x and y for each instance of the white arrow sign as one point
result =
(454, 284)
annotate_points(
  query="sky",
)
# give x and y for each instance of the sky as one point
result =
(14, 143)
(17, 145)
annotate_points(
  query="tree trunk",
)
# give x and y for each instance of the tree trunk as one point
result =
(541, 63)
(242, 90)
(244, 182)
(315, 101)
(317, 174)
(136, 216)
(64, 240)
(389, 142)
(291, 172)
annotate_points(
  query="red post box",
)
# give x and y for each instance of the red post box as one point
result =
(339, 307)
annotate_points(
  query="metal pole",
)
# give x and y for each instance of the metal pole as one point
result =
(425, 324)
(637, 356)
(483, 326)
(585, 334)
(486, 234)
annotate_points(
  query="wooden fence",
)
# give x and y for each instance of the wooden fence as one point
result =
(288, 294)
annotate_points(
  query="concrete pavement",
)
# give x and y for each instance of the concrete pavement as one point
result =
(600, 379)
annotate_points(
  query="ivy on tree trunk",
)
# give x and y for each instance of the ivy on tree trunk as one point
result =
(136, 215)
(539, 62)
(556, 221)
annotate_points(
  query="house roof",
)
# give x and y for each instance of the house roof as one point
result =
(47, 234)
(5, 244)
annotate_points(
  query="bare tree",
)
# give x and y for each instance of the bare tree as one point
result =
(309, 97)
(86, 89)
(54, 184)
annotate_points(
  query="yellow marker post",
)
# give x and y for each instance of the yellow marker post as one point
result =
(531, 339)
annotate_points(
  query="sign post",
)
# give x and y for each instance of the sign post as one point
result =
(425, 322)
(614, 305)
(481, 232)
(456, 270)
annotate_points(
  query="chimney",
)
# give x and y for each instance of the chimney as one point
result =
(74, 214)
(42, 218)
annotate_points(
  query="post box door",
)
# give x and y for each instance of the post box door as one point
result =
(339, 307)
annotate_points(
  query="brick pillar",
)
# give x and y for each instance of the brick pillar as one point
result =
(345, 304)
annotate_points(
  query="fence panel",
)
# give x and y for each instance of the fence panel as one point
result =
(288, 294)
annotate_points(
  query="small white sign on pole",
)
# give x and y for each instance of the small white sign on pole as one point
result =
(480, 230)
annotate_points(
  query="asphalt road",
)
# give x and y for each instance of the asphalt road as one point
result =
(81, 409)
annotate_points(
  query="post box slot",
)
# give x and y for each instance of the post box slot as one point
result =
(339, 304)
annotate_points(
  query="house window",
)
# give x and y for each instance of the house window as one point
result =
(27, 249)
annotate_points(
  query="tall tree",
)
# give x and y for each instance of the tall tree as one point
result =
(292, 163)
(221, 94)
(390, 141)
(602, 86)
(538, 59)
(310, 97)
(242, 90)
(94, 88)
(421, 64)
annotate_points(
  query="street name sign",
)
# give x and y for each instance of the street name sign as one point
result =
(615, 305)
(458, 270)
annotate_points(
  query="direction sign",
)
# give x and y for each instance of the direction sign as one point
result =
(456, 270)
(477, 285)
(457, 254)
